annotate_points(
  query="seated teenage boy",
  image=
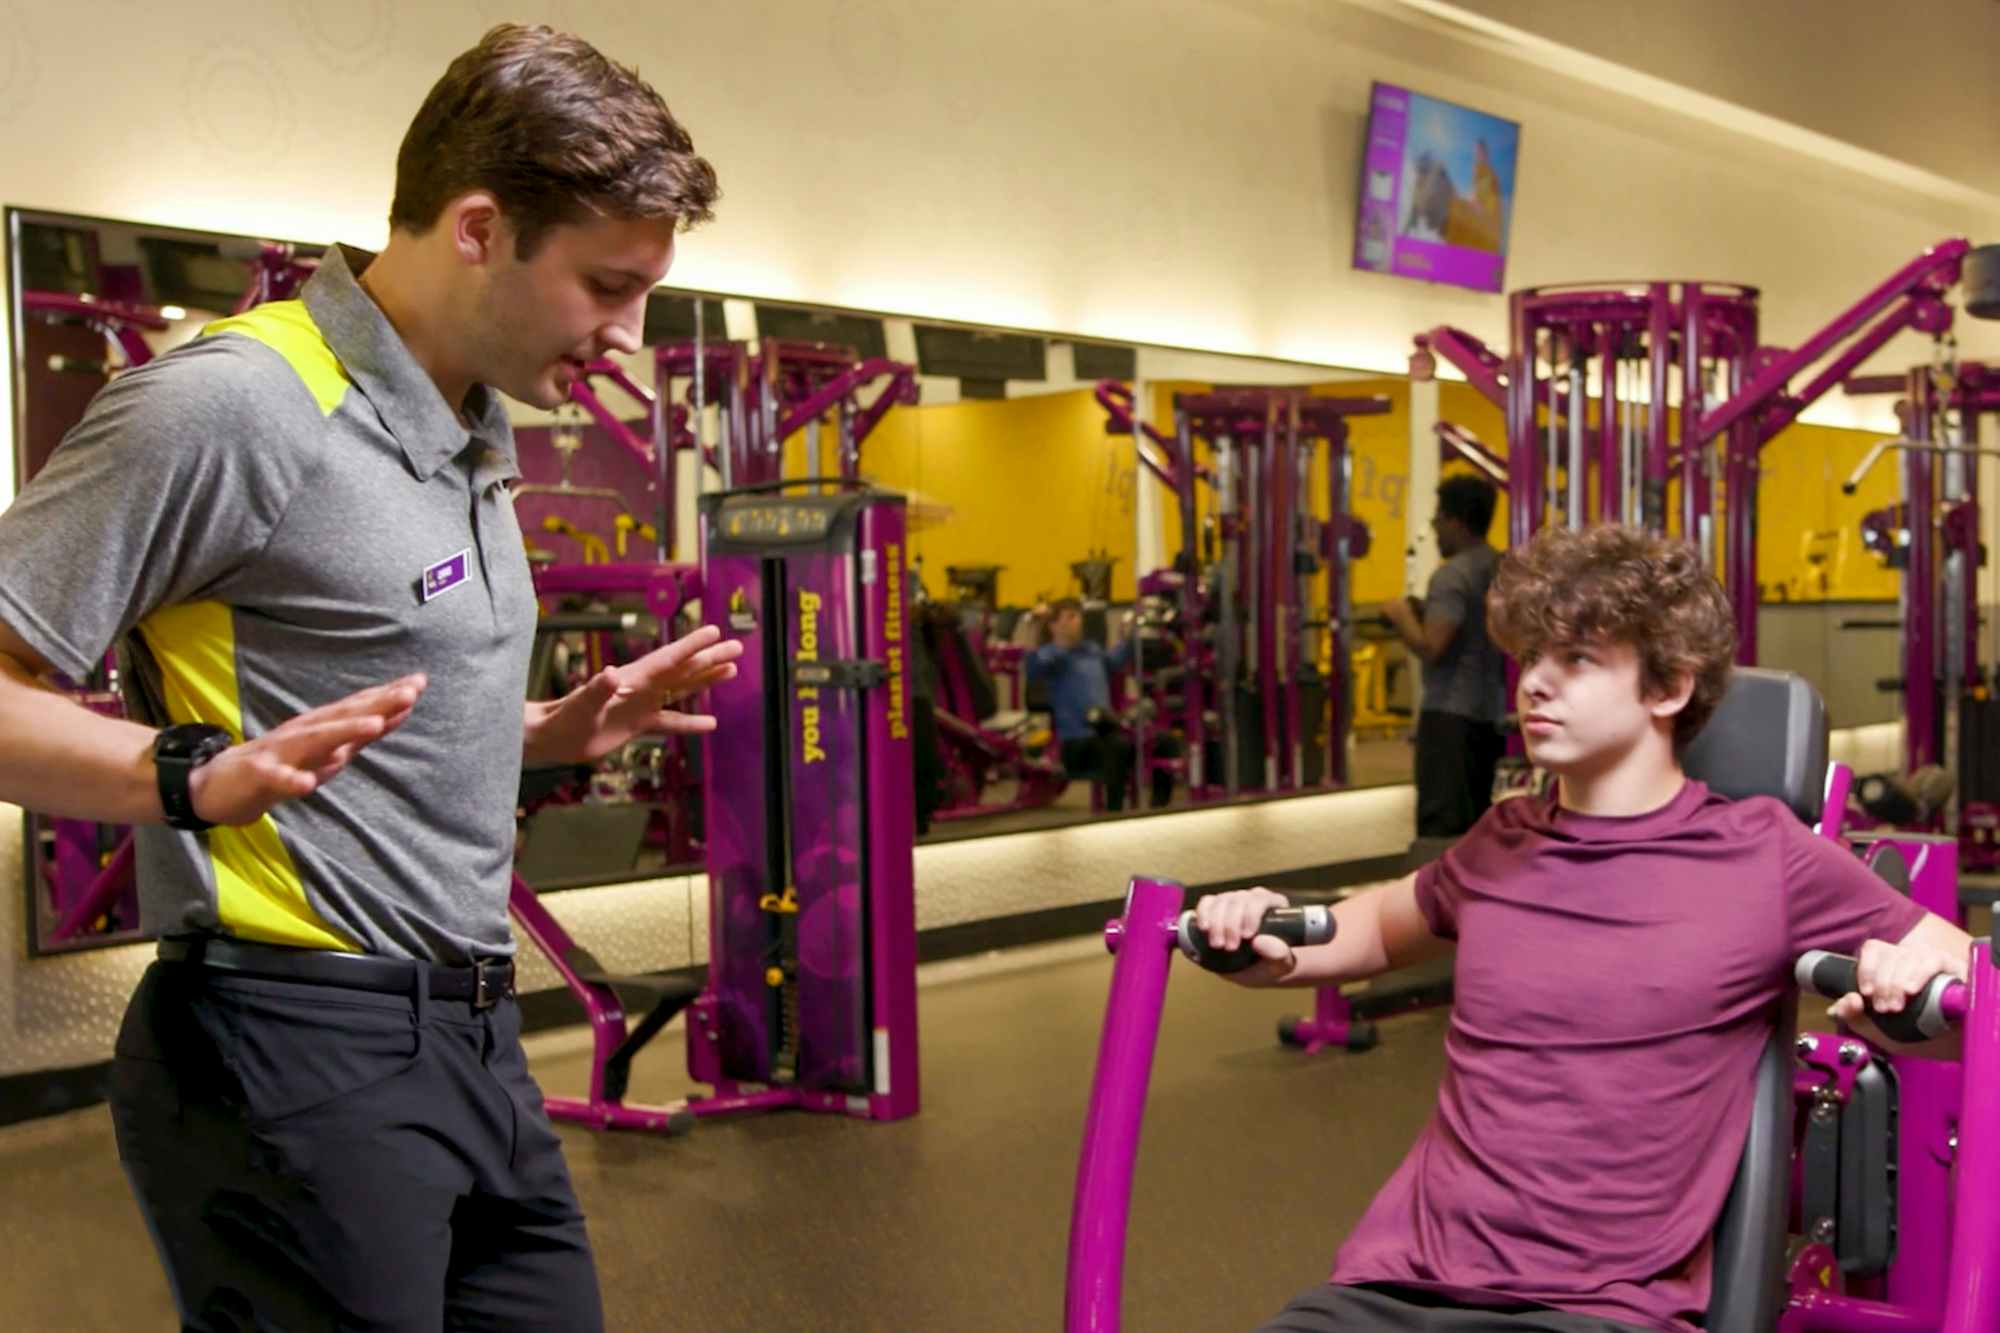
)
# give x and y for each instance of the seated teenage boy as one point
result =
(1622, 950)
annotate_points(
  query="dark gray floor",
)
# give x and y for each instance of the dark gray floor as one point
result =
(1255, 1162)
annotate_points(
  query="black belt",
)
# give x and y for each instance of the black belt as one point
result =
(482, 985)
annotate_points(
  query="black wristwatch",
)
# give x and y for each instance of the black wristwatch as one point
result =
(177, 752)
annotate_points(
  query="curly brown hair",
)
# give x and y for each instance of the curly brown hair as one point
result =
(557, 132)
(1615, 584)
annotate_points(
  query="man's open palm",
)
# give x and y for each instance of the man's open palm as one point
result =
(621, 702)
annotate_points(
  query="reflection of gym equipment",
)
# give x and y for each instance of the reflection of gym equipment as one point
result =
(768, 392)
(1093, 577)
(594, 548)
(1230, 636)
(566, 438)
(1933, 537)
(1825, 559)
(974, 591)
(83, 871)
(982, 744)
(1382, 677)
(1889, 1172)
(974, 585)
(592, 823)
(1637, 349)
(277, 270)
(979, 744)
(120, 324)
(1093, 585)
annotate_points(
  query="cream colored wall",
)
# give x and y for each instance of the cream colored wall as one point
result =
(1914, 84)
(1176, 171)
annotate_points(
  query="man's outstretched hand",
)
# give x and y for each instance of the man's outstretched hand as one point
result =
(292, 759)
(621, 702)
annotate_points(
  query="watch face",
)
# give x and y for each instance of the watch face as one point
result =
(192, 741)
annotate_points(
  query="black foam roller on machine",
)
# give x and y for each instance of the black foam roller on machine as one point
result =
(1981, 276)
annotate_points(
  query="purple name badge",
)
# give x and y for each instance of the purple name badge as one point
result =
(446, 574)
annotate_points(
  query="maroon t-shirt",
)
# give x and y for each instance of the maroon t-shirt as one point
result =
(1616, 981)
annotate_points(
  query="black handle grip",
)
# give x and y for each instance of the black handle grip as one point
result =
(1833, 975)
(1296, 926)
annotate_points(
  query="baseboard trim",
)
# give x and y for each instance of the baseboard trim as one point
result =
(47, 1092)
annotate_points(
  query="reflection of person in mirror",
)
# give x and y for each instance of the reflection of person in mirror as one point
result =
(319, 1090)
(1075, 670)
(1465, 678)
(1438, 212)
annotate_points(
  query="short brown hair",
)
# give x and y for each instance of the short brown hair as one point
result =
(1614, 584)
(556, 131)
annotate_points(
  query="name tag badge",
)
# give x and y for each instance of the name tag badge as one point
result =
(447, 574)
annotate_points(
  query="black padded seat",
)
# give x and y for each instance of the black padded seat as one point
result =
(1766, 738)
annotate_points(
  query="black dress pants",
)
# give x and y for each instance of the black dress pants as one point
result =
(312, 1157)
(1456, 758)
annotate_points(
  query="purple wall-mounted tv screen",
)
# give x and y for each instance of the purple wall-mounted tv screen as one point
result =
(1437, 190)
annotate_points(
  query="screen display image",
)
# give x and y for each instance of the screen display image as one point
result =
(1437, 190)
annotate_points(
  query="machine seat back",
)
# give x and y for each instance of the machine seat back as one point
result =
(1767, 738)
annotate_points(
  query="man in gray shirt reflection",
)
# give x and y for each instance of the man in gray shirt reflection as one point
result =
(1465, 677)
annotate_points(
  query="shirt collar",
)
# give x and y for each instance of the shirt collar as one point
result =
(401, 391)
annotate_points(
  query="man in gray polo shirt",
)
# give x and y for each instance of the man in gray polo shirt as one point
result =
(1465, 676)
(300, 529)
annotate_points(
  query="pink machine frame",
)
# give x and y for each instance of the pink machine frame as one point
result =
(1934, 536)
(1945, 1274)
(1641, 348)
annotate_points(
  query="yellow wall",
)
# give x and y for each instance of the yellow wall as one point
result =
(1799, 495)
(1808, 533)
(1033, 484)
(1378, 484)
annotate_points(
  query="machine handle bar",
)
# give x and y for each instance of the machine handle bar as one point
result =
(1941, 1003)
(1296, 926)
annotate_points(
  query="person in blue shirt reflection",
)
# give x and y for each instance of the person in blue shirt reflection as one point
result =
(1076, 674)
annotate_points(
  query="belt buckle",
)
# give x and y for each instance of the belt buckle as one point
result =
(485, 993)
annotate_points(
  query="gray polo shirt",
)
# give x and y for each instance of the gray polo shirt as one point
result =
(278, 514)
(1470, 676)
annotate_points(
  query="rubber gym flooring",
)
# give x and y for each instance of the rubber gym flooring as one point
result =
(1254, 1163)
